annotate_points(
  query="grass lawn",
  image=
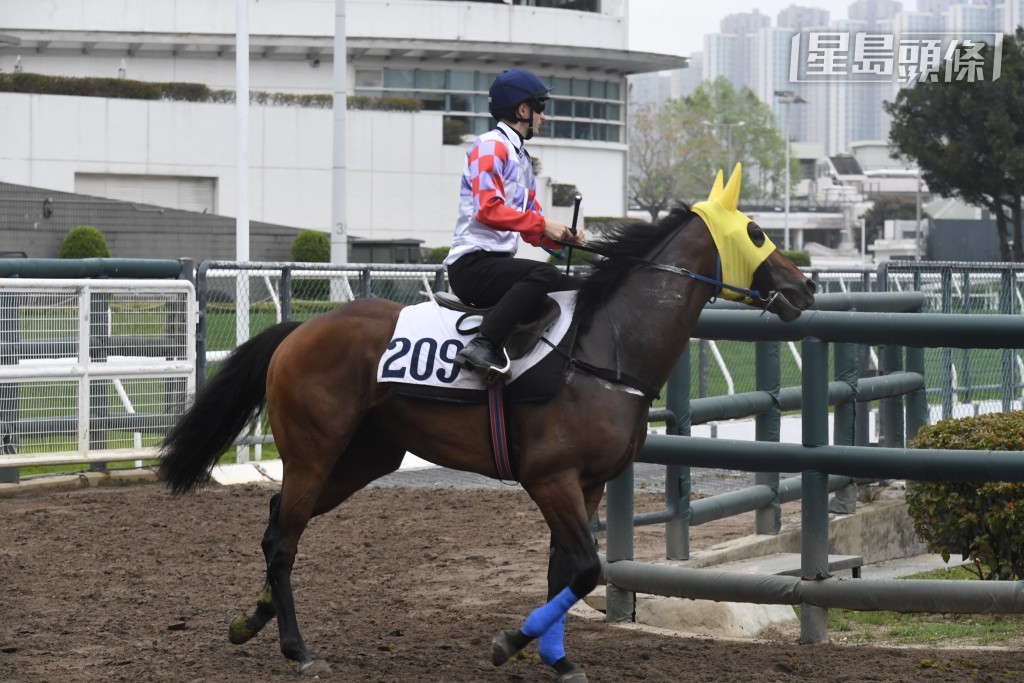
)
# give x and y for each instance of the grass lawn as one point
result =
(896, 628)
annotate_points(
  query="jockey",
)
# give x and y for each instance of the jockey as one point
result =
(498, 207)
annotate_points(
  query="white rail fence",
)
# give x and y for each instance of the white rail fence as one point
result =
(92, 371)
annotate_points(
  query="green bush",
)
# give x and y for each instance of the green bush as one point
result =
(453, 130)
(311, 246)
(982, 522)
(799, 258)
(85, 241)
(563, 194)
(124, 88)
(437, 255)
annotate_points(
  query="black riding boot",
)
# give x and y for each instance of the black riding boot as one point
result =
(484, 356)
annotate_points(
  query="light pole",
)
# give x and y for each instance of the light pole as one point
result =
(786, 98)
(917, 217)
(728, 135)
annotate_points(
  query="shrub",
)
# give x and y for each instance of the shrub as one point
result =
(563, 194)
(453, 130)
(311, 246)
(799, 258)
(85, 241)
(982, 522)
(437, 255)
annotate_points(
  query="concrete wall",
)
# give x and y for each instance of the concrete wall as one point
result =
(403, 183)
(131, 230)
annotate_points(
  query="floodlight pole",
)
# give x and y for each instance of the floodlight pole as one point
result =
(786, 98)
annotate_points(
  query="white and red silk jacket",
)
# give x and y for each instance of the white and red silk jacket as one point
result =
(498, 200)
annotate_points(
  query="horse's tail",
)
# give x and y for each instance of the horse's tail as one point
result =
(219, 411)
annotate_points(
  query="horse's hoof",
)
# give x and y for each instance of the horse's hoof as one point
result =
(503, 648)
(574, 676)
(315, 668)
(240, 631)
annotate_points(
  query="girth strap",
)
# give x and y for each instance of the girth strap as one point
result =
(499, 431)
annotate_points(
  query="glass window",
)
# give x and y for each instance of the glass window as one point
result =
(600, 110)
(398, 78)
(480, 125)
(369, 78)
(581, 87)
(613, 91)
(561, 86)
(563, 107)
(583, 110)
(484, 80)
(459, 103)
(598, 88)
(432, 101)
(480, 104)
(613, 112)
(582, 131)
(563, 129)
(432, 80)
(600, 131)
(460, 80)
(614, 133)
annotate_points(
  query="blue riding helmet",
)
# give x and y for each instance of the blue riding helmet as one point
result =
(511, 88)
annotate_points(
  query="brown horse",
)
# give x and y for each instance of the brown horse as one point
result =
(337, 429)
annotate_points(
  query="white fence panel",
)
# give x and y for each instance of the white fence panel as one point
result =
(92, 370)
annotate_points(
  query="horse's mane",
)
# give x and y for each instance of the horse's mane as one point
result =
(631, 240)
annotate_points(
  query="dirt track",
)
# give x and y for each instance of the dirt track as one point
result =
(399, 584)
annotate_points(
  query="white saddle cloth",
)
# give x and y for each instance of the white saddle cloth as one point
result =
(427, 338)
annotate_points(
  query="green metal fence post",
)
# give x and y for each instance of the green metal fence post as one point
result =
(1006, 308)
(620, 605)
(946, 354)
(677, 400)
(844, 421)
(917, 401)
(890, 410)
(286, 294)
(814, 508)
(768, 520)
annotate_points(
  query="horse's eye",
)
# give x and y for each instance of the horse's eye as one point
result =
(756, 235)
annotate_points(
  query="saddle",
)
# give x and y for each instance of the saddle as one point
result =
(525, 335)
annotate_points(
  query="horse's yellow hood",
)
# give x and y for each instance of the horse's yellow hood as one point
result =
(739, 256)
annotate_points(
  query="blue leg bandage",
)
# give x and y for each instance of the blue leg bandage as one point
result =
(542, 618)
(552, 644)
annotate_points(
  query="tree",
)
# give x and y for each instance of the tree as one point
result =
(887, 208)
(677, 147)
(966, 137)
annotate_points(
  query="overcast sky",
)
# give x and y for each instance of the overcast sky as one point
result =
(678, 26)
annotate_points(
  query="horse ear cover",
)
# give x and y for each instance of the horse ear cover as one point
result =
(716, 189)
(738, 255)
(730, 197)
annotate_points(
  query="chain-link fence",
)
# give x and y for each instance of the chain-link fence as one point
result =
(273, 292)
(966, 382)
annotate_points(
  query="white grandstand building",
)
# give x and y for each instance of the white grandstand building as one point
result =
(402, 181)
